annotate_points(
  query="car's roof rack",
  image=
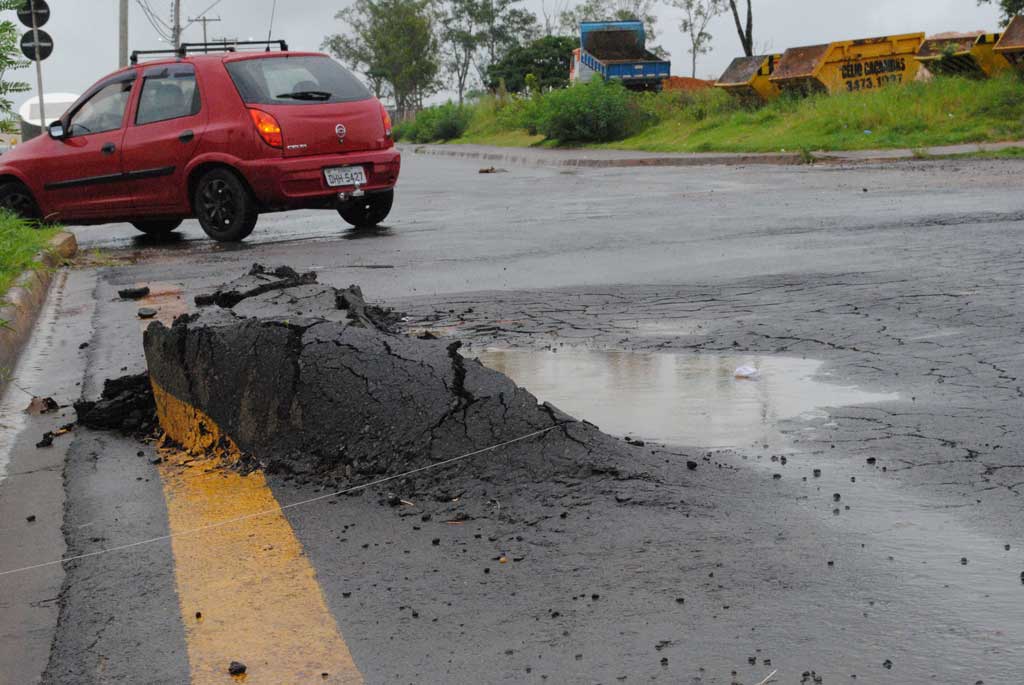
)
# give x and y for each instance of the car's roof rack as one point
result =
(219, 46)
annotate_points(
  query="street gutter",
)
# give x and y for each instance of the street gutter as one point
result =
(23, 302)
(585, 158)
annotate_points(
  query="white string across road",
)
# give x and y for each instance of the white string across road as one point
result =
(277, 510)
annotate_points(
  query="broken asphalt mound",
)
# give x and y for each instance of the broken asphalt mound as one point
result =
(310, 381)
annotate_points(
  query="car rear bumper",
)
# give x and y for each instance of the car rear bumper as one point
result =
(296, 182)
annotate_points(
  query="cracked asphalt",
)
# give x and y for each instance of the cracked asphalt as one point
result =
(903, 279)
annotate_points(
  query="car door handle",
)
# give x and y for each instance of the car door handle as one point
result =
(108, 149)
(187, 136)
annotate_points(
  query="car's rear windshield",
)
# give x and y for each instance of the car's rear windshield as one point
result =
(295, 81)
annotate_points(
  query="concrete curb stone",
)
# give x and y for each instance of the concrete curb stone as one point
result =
(23, 302)
(587, 158)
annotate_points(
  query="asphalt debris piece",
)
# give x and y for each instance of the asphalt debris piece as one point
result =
(126, 405)
(237, 668)
(42, 405)
(258, 281)
(133, 293)
(31, 518)
(335, 391)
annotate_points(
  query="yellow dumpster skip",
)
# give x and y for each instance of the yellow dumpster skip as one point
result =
(1011, 44)
(749, 77)
(964, 55)
(849, 66)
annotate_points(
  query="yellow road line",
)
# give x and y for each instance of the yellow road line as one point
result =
(247, 591)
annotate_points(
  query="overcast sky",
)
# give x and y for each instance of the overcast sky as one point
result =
(85, 31)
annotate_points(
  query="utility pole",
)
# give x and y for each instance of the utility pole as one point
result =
(122, 59)
(176, 25)
(205, 21)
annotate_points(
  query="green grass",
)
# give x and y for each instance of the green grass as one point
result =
(20, 241)
(946, 111)
(514, 138)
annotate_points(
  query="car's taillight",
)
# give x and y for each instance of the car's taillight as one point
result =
(387, 120)
(269, 129)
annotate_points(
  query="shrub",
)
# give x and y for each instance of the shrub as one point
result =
(592, 112)
(443, 122)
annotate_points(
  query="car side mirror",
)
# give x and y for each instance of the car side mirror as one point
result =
(57, 131)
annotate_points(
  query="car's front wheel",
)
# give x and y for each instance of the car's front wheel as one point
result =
(225, 208)
(157, 227)
(17, 199)
(369, 210)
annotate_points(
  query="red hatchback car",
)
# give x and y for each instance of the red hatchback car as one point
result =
(219, 137)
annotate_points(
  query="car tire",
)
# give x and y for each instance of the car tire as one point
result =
(369, 210)
(224, 206)
(16, 198)
(157, 227)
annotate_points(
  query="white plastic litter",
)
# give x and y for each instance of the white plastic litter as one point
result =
(747, 373)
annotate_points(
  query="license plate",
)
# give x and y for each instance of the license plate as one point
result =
(345, 176)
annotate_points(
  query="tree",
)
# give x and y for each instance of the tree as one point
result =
(393, 43)
(502, 27)
(10, 59)
(551, 11)
(545, 59)
(460, 37)
(1010, 8)
(616, 10)
(744, 29)
(697, 15)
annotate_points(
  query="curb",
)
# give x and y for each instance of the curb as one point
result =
(556, 160)
(563, 158)
(25, 299)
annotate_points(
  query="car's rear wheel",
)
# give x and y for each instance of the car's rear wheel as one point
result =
(369, 210)
(157, 226)
(17, 199)
(225, 208)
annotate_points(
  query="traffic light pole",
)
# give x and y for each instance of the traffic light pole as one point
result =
(39, 66)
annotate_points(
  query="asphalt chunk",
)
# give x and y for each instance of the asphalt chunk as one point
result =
(126, 405)
(133, 293)
(333, 391)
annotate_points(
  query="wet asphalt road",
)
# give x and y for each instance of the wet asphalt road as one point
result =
(902, 279)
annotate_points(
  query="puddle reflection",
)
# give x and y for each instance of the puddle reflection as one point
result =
(678, 399)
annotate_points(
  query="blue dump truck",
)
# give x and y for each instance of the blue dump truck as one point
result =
(616, 50)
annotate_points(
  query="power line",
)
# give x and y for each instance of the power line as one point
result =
(204, 21)
(156, 22)
(280, 508)
(202, 14)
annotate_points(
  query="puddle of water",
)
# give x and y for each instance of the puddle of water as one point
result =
(678, 399)
(30, 375)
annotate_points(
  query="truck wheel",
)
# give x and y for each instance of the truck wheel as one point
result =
(157, 226)
(17, 199)
(224, 207)
(369, 210)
